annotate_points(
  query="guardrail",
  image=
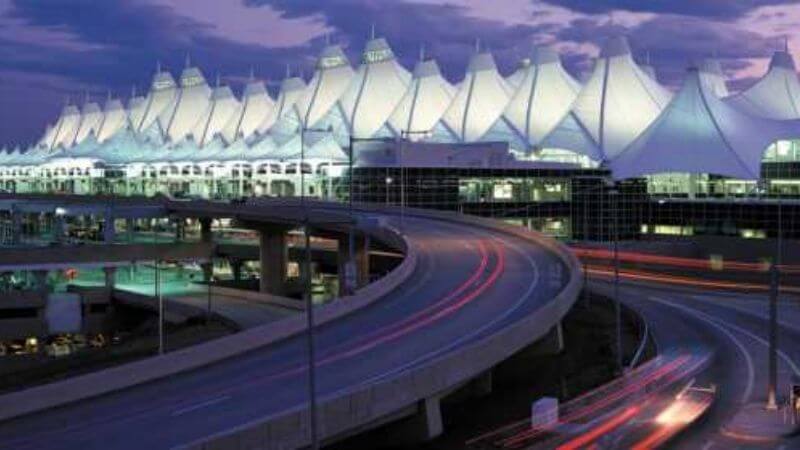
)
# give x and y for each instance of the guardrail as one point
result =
(367, 404)
(128, 375)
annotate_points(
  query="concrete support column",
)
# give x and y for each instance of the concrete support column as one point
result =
(16, 226)
(58, 228)
(236, 268)
(40, 280)
(342, 257)
(362, 260)
(109, 274)
(429, 419)
(180, 229)
(130, 225)
(206, 237)
(109, 228)
(274, 256)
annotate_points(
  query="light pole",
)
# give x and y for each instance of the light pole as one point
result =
(405, 134)
(774, 292)
(614, 193)
(160, 297)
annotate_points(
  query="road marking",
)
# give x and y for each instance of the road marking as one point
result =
(201, 405)
(751, 371)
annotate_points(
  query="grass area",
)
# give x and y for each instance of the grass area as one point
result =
(587, 362)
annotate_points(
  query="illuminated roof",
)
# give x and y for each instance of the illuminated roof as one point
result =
(699, 133)
(425, 101)
(776, 95)
(616, 104)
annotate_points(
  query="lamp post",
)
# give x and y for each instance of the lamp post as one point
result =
(614, 193)
(405, 134)
(774, 292)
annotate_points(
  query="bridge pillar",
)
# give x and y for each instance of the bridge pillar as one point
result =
(273, 255)
(109, 229)
(109, 273)
(362, 260)
(236, 268)
(206, 237)
(40, 278)
(16, 226)
(428, 421)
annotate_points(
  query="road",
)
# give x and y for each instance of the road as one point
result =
(468, 284)
(735, 325)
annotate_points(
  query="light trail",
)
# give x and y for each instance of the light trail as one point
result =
(594, 434)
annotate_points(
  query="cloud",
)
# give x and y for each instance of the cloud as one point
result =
(719, 9)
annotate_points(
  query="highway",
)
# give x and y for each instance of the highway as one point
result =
(735, 326)
(469, 283)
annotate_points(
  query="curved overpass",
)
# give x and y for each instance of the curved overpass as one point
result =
(479, 292)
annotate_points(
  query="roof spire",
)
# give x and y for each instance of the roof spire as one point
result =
(217, 80)
(477, 45)
(252, 73)
(133, 91)
(647, 57)
(372, 31)
(158, 66)
(327, 38)
(288, 70)
(422, 52)
(108, 95)
(188, 60)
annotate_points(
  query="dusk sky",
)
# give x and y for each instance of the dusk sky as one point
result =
(52, 50)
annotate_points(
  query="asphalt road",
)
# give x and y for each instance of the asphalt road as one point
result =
(735, 326)
(468, 283)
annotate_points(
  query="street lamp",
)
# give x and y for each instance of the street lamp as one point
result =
(405, 134)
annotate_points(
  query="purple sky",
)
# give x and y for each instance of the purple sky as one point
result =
(54, 50)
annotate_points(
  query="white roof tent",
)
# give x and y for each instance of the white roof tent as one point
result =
(711, 75)
(544, 96)
(424, 103)
(331, 78)
(257, 107)
(481, 99)
(377, 88)
(192, 101)
(699, 133)
(617, 103)
(774, 96)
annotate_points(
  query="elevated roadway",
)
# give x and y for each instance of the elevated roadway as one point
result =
(478, 292)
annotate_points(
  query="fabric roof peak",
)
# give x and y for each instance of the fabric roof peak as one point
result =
(616, 46)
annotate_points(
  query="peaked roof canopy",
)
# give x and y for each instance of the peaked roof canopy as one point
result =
(424, 102)
(545, 94)
(776, 95)
(699, 133)
(480, 100)
(617, 103)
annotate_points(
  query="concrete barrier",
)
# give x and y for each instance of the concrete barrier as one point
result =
(127, 375)
(358, 408)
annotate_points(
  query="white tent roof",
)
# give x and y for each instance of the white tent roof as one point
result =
(291, 90)
(224, 107)
(515, 79)
(699, 133)
(480, 100)
(192, 101)
(114, 119)
(257, 105)
(157, 106)
(425, 100)
(67, 126)
(649, 70)
(330, 80)
(377, 88)
(91, 117)
(776, 95)
(544, 96)
(711, 75)
(617, 103)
